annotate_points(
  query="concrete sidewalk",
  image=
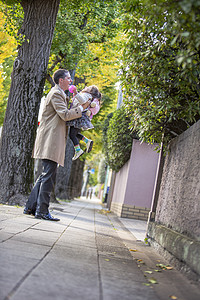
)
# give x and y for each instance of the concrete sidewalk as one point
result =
(89, 254)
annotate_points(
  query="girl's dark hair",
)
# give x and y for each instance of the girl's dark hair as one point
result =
(60, 73)
(93, 90)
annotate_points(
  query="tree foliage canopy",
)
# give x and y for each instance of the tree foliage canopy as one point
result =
(160, 71)
(79, 26)
(7, 55)
(85, 40)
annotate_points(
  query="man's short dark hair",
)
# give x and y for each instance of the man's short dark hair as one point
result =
(60, 73)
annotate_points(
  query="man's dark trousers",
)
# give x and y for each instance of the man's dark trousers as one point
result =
(39, 198)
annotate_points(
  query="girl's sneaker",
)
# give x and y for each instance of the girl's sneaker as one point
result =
(89, 145)
(77, 154)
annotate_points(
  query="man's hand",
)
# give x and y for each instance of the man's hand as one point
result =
(85, 105)
(75, 92)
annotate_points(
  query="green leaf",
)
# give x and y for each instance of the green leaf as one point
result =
(185, 34)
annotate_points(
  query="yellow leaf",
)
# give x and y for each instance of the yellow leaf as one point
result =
(107, 259)
(9, 45)
(173, 297)
(140, 261)
(134, 250)
(164, 267)
(152, 280)
(103, 211)
(147, 284)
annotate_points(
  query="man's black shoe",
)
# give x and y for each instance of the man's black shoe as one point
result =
(28, 212)
(46, 216)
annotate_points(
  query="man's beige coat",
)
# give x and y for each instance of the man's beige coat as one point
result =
(51, 134)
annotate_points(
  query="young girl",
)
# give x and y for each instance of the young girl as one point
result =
(84, 123)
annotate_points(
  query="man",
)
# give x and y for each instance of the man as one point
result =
(50, 144)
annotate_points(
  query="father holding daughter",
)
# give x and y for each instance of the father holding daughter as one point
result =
(50, 143)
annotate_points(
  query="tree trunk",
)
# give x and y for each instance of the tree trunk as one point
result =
(28, 78)
(76, 179)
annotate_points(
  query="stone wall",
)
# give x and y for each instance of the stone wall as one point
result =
(179, 197)
(177, 222)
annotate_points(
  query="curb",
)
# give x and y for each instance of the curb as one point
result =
(183, 248)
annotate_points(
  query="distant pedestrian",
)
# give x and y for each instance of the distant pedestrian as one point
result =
(50, 143)
(89, 192)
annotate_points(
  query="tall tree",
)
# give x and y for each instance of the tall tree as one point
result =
(30, 70)
(28, 77)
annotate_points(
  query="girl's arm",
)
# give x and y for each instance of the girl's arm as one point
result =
(83, 97)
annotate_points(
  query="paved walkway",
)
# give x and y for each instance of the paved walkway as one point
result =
(89, 254)
(137, 227)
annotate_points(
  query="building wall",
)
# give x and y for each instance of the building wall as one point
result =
(134, 183)
(120, 185)
(141, 177)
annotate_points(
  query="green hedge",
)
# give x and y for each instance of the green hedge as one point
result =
(117, 139)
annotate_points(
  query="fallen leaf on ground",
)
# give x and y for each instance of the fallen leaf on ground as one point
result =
(134, 250)
(152, 280)
(149, 272)
(140, 261)
(173, 297)
(107, 259)
(147, 284)
(164, 267)
(103, 211)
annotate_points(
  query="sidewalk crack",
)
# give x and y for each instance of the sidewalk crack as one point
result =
(98, 262)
